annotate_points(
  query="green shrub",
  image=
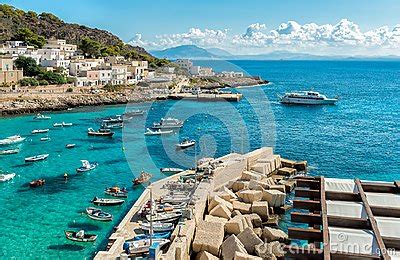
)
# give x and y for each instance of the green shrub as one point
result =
(70, 90)
(28, 82)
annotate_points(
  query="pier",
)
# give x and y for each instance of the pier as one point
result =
(234, 97)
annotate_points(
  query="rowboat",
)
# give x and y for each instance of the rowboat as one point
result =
(35, 158)
(9, 151)
(116, 192)
(43, 139)
(142, 246)
(100, 132)
(155, 235)
(86, 166)
(98, 214)
(70, 146)
(41, 117)
(157, 132)
(171, 170)
(157, 226)
(40, 131)
(186, 144)
(37, 183)
(107, 202)
(165, 217)
(80, 236)
(6, 177)
(143, 178)
(12, 140)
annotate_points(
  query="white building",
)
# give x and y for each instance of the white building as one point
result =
(68, 50)
(201, 71)
(55, 63)
(231, 74)
(77, 66)
(184, 63)
(50, 54)
(119, 74)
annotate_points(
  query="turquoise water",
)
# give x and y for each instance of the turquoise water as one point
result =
(359, 137)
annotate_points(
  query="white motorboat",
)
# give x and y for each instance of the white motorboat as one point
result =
(6, 177)
(57, 125)
(168, 123)
(37, 158)
(306, 98)
(134, 113)
(69, 146)
(116, 119)
(9, 151)
(12, 140)
(142, 246)
(98, 214)
(107, 202)
(44, 139)
(86, 166)
(112, 125)
(175, 199)
(157, 226)
(40, 131)
(165, 216)
(66, 124)
(41, 117)
(158, 132)
(186, 144)
(171, 170)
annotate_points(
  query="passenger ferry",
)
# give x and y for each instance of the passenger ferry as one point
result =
(306, 98)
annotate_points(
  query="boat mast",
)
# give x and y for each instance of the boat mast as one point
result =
(151, 216)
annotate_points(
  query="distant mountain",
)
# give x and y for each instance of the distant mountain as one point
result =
(219, 52)
(185, 52)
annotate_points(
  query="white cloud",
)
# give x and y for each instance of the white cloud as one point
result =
(345, 37)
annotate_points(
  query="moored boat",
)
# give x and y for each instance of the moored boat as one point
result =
(70, 146)
(134, 113)
(165, 235)
(157, 226)
(100, 132)
(165, 216)
(171, 170)
(86, 166)
(57, 125)
(37, 183)
(40, 131)
(12, 140)
(35, 158)
(6, 177)
(306, 98)
(116, 119)
(116, 192)
(157, 132)
(9, 151)
(168, 123)
(41, 117)
(143, 178)
(107, 202)
(66, 124)
(112, 125)
(98, 214)
(80, 236)
(43, 139)
(142, 246)
(186, 144)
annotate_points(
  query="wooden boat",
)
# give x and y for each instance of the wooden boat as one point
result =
(12, 140)
(41, 117)
(9, 151)
(86, 166)
(157, 226)
(37, 183)
(40, 131)
(165, 235)
(98, 214)
(142, 246)
(158, 132)
(6, 177)
(35, 158)
(80, 236)
(143, 178)
(100, 132)
(70, 146)
(186, 144)
(171, 170)
(107, 202)
(165, 216)
(116, 192)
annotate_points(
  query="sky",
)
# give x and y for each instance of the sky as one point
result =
(331, 27)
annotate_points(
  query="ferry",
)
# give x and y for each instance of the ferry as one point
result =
(168, 123)
(306, 98)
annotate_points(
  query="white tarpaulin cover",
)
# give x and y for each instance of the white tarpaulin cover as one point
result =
(346, 209)
(348, 240)
(383, 199)
(345, 185)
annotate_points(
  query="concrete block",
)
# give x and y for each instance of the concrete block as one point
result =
(274, 234)
(210, 218)
(288, 163)
(244, 208)
(249, 196)
(249, 239)
(216, 200)
(235, 225)
(278, 187)
(239, 185)
(203, 255)
(261, 209)
(275, 198)
(243, 256)
(261, 168)
(264, 250)
(247, 175)
(255, 219)
(221, 211)
(209, 237)
(231, 245)
(286, 171)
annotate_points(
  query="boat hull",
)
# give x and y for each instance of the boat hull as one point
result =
(302, 101)
(87, 237)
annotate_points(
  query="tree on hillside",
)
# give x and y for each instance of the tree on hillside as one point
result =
(30, 38)
(31, 69)
(90, 47)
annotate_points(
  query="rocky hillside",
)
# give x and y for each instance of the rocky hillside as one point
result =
(12, 20)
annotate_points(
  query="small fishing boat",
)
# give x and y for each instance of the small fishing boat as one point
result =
(165, 235)
(86, 166)
(112, 126)
(40, 131)
(35, 158)
(186, 144)
(134, 113)
(57, 125)
(98, 214)
(100, 132)
(107, 202)
(43, 139)
(66, 124)
(165, 216)
(6, 177)
(142, 246)
(70, 146)
(175, 199)
(116, 192)
(171, 170)
(168, 123)
(157, 226)
(157, 132)
(12, 140)
(41, 117)
(37, 183)
(116, 119)
(9, 151)
(143, 178)
(80, 236)
(167, 207)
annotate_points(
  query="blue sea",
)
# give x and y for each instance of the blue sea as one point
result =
(358, 137)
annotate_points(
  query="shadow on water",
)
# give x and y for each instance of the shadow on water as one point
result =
(66, 247)
(115, 161)
(84, 226)
(92, 148)
(96, 140)
(54, 184)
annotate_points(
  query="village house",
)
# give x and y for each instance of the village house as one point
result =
(77, 66)
(68, 50)
(184, 63)
(9, 74)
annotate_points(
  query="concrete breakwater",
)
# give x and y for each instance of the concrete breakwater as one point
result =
(234, 210)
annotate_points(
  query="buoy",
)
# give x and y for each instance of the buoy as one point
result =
(65, 176)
